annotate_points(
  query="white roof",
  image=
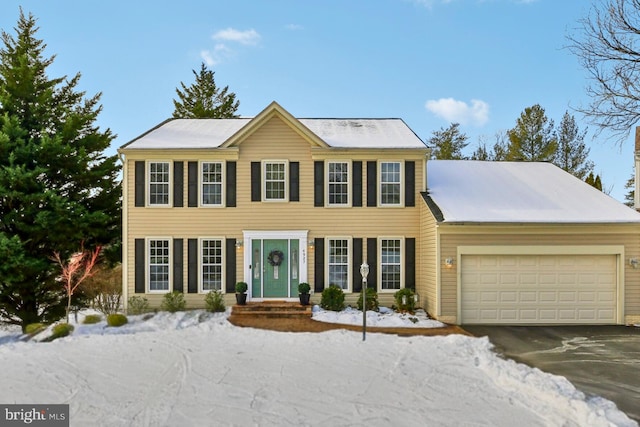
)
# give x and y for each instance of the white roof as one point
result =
(518, 192)
(339, 133)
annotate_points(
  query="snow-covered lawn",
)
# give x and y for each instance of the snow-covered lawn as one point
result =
(196, 369)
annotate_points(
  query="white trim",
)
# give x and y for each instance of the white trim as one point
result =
(223, 246)
(379, 184)
(125, 232)
(379, 263)
(147, 183)
(223, 184)
(617, 250)
(350, 266)
(263, 174)
(147, 265)
(349, 184)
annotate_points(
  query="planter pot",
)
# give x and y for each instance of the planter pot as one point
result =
(241, 299)
(304, 298)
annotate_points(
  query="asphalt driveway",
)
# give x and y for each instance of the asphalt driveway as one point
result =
(600, 360)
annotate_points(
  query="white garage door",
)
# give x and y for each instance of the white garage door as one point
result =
(538, 289)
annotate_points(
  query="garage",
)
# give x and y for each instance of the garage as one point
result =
(539, 288)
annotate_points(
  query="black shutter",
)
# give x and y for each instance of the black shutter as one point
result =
(356, 261)
(356, 188)
(410, 263)
(192, 178)
(231, 185)
(294, 181)
(409, 183)
(256, 181)
(178, 277)
(372, 260)
(318, 265)
(178, 184)
(230, 266)
(192, 261)
(372, 184)
(318, 183)
(139, 266)
(139, 184)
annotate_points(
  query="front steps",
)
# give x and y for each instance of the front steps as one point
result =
(272, 310)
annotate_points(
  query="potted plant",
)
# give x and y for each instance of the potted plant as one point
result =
(241, 293)
(303, 293)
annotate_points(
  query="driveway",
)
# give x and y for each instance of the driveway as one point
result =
(600, 360)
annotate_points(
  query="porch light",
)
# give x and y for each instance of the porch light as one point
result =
(448, 262)
(312, 243)
(239, 244)
(634, 262)
(364, 271)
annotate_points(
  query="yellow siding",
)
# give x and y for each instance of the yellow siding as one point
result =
(453, 236)
(427, 283)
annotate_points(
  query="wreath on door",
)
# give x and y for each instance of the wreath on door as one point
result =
(275, 257)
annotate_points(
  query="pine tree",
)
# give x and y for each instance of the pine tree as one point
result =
(629, 197)
(572, 153)
(203, 99)
(57, 188)
(533, 138)
(594, 180)
(447, 144)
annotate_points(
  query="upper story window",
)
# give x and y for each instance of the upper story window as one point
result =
(159, 188)
(275, 180)
(390, 184)
(211, 265)
(158, 264)
(211, 181)
(390, 264)
(338, 178)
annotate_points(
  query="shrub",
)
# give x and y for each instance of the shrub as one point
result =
(173, 301)
(332, 298)
(241, 287)
(60, 330)
(34, 328)
(138, 305)
(91, 319)
(405, 300)
(104, 289)
(372, 300)
(117, 319)
(304, 288)
(214, 301)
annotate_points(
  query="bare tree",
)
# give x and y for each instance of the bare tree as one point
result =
(606, 43)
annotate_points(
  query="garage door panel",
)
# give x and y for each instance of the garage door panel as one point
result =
(539, 289)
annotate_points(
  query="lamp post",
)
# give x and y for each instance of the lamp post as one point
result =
(364, 271)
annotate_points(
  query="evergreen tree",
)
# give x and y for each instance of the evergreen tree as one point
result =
(447, 144)
(594, 181)
(533, 138)
(572, 153)
(203, 99)
(497, 153)
(57, 188)
(630, 186)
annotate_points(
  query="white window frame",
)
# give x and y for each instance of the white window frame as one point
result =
(349, 263)
(201, 183)
(380, 183)
(285, 164)
(347, 183)
(148, 183)
(201, 264)
(169, 265)
(381, 264)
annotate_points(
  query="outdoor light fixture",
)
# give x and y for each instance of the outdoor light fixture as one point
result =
(364, 271)
(634, 262)
(239, 244)
(448, 262)
(312, 244)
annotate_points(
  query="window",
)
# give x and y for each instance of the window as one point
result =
(275, 179)
(159, 265)
(390, 184)
(159, 183)
(338, 183)
(390, 264)
(338, 265)
(211, 183)
(211, 265)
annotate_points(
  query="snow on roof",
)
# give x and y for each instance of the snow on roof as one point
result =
(339, 133)
(518, 192)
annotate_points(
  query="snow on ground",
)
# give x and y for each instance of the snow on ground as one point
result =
(384, 318)
(196, 369)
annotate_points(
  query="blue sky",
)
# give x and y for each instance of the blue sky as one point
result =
(429, 62)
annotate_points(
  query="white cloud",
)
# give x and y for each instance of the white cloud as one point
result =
(477, 113)
(215, 56)
(294, 27)
(248, 37)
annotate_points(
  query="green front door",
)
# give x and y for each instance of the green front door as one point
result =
(275, 259)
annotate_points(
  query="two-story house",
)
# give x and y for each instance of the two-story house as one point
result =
(276, 200)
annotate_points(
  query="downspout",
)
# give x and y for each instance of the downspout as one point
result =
(125, 237)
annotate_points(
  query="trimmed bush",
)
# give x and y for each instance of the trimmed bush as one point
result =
(34, 328)
(304, 288)
(405, 300)
(90, 319)
(137, 305)
(332, 298)
(116, 320)
(372, 300)
(58, 331)
(241, 287)
(173, 301)
(214, 302)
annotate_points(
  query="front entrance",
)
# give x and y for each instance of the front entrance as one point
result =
(275, 264)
